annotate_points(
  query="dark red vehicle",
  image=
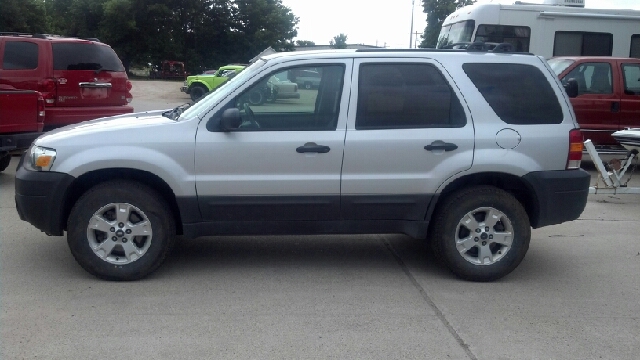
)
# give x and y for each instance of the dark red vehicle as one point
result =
(22, 114)
(608, 95)
(169, 69)
(79, 79)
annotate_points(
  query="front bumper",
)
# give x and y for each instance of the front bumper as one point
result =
(40, 198)
(184, 89)
(561, 195)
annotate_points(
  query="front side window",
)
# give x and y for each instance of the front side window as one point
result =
(631, 74)
(399, 96)
(20, 55)
(634, 52)
(573, 43)
(85, 56)
(519, 94)
(592, 78)
(459, 32)
(276, 103)
(518, 36)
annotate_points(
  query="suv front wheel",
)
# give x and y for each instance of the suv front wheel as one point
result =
(481, 233)
(120, 230)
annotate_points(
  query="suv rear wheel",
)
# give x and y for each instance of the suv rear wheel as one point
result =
(481, 233)
(120, 230)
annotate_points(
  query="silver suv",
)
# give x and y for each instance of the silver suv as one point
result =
(468, 150)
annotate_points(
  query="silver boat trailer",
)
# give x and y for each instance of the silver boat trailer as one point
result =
(612, 179)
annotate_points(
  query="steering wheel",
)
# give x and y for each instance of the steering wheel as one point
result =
(251, 120)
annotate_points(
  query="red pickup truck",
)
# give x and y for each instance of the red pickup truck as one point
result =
(608, 95)
(21, 121)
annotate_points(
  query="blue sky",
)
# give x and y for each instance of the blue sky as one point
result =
(379, 22)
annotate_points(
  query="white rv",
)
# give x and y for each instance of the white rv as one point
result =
(555, 28)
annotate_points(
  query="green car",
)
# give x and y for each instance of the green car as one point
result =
(198, 85)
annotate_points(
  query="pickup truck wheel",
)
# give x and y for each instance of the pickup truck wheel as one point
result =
(120, 230)
(197, 91)
(481, 233)
(5, 159)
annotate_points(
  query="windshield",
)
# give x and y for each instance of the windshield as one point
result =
(559, 65)
(219, 93)
(456, 33)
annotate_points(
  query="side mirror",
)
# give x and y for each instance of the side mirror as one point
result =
(571, 87)
(231, 119)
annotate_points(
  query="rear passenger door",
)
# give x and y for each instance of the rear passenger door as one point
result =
(407, 132)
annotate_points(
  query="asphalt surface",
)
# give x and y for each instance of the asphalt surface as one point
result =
(576, 295)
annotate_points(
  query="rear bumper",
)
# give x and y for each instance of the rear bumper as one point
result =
(20, 141)
(561, 195)
(40, 198)
(60, 116)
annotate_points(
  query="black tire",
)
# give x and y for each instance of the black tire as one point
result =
(307, 85)
(197, 91)
(256, 98)
(448, 228)
(4, 161)
(151, 205)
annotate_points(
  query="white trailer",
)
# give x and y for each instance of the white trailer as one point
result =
(556, 28)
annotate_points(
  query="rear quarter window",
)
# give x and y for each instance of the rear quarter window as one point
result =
(20, 55)
(519, 94)
(85, 56)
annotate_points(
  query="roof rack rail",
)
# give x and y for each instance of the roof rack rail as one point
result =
(92, 39)
(13, 33)
(477, 46)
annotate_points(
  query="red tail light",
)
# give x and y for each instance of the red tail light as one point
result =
(129, 85)
(575, 149)
(48, 89)
(41, 110)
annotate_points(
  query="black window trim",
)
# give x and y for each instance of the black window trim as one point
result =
(582, 42)
(425, 126)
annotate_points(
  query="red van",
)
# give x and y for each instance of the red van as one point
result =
(80, 79)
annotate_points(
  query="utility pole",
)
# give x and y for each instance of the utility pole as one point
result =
(415, 43)
(411, 33)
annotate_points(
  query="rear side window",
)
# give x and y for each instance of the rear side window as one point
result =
(631, 79)
(85, 56)
(573, 43)
(519, 94)
(20, 55)
(396, 96)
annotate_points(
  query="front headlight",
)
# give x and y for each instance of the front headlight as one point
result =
(40, 158)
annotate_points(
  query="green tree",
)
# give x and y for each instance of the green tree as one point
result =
(23, 16)
(437, 11)
(339, 41)
(304, 43)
